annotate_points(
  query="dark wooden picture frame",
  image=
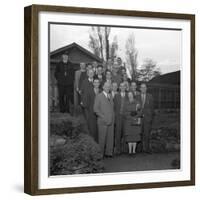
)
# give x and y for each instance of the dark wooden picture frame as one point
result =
(31, 85)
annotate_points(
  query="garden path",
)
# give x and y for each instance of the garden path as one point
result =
(140, 162)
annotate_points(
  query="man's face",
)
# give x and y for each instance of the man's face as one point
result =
(99, 70)
(108, 75)
(115, 67)
(90, 73)
(94, 64)
(143, 88)
(119, 61)
(89, 67)
(96, 83)
(123, 71)
(107, 87)
(122, 87)
(125, 77)
(133, 86)
(82, 66)
(114, 87)
(65, 58)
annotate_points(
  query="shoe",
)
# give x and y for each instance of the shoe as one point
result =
(133, 154)
(108, 156)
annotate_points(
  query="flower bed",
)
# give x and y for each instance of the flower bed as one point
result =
(72, 150)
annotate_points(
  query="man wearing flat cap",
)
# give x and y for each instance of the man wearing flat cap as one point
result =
(64, 75)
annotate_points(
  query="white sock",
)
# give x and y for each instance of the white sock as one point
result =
(130, 147)
(134, 147)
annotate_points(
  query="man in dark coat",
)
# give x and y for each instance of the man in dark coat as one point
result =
(146, 100)
(100, 75)
(64, 75)
(88, 103)
(87, 87)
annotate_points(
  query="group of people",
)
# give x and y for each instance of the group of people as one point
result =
(114, 109)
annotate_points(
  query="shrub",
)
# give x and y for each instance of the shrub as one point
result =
(73, 151)
(165, 140)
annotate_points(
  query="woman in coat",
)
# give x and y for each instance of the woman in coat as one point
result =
(132, 122)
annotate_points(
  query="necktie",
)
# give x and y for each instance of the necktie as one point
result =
(113, 94)
(108, 96)
(143, 100)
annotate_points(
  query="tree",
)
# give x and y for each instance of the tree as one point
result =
(113, 48)
(94, 45)
(107, 46)
(99, 41)
(148, 70)
(131, 55)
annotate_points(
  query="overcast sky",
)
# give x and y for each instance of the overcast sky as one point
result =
(163, 46)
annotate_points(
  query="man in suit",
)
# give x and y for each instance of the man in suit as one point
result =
(133, 89)
(94, 66)
(116, 76)
(119, 101)
(89, 66)
(100, 75)
(114, 91)
(87, 86)
(88, 104)
(80, 76)
(108, 78)
(103, 107)
(146, 100)
(64, 75)
(109, 64)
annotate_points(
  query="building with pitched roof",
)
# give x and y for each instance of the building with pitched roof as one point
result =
(77, 54)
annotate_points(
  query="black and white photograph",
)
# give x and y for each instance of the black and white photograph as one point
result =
(113, 98)
(109, 99)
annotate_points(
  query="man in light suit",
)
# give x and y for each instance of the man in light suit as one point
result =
(146, 100)
(104, 109)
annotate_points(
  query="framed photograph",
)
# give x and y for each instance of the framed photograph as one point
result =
(109, 99)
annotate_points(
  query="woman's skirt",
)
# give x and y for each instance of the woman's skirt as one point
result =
(132, 132)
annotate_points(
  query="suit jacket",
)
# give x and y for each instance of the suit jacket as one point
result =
(86, 87)
(104, 109)
(64, 74)
(101, 80)
(148, 108)
(88, 100)
(117, 103)
(117, 78)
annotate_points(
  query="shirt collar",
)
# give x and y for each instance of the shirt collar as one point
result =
(105, 94)
(90, 80)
